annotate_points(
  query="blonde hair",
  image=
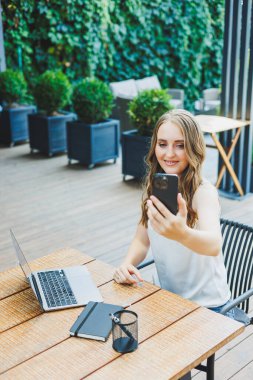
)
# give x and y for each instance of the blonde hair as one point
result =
(191, 178)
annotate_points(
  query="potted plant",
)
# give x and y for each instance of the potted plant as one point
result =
(13, 116)
(47, 129)
(144, 110)
(93, 138)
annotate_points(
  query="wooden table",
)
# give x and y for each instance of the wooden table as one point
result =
(216, 124)
(174, 334)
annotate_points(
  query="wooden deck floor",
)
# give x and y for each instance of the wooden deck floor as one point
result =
(51, 205)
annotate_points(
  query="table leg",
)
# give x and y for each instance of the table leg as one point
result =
(229, 154)
(187, 376)
(226, 161)
(210, 368)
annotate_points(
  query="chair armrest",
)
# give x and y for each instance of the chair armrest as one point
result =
(145, 263)
(237, 301)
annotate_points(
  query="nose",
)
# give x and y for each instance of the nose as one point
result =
(170, 151)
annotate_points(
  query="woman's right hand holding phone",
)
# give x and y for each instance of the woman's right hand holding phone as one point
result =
(164, 222)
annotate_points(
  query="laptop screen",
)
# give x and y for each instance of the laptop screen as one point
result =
(21, 258)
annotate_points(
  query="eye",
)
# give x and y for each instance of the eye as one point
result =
(180, 146)
(161, 145)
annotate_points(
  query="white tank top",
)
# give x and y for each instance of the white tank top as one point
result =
(199, 278)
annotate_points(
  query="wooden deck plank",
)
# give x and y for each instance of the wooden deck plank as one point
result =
(245, 373)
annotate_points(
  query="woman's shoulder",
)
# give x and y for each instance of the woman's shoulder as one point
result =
(206, 192)
(207, 186)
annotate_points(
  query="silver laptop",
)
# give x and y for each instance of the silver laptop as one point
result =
(59, 288)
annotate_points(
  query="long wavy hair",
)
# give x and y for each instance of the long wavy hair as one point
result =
(191, 178)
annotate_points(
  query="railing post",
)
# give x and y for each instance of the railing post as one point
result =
(237, 85)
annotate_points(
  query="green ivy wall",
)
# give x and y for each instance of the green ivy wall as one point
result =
(178, 40)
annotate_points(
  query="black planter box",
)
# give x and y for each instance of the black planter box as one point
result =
(14, 124)
(48, 133)
(93, 143)
(134, 150)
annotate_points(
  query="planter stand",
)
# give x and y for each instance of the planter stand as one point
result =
(48, 133)
(14, 124)
(134, 151)
(93, 143)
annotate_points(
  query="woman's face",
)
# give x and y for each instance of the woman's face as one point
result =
(170, 149)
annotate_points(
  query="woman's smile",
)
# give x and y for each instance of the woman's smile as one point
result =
(171, 163)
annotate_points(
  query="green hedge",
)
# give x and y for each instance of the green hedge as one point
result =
(178, 40)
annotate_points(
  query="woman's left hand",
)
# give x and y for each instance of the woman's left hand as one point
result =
(164, 222)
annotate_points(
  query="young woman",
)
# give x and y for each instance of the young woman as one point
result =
(186, 247)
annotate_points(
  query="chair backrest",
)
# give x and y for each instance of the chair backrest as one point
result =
(211, 94)
(175, 93)
(148, 83)
(238, 257)
(123, 115)
(177, 97)
(125, 88)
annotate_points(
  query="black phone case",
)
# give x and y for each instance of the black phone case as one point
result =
(165, 188)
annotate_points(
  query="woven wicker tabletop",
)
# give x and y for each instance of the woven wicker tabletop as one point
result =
(174, 334)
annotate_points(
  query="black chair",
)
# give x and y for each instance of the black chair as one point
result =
(237, 249)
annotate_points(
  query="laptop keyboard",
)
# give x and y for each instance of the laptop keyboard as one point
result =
(56, 288)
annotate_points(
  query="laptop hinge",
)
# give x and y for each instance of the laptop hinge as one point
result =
(37, 291)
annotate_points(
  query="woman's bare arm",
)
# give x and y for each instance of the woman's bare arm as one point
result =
(206, 240)
(136, 254)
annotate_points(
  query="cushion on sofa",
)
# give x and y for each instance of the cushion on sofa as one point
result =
(148, 83)
(125, 89)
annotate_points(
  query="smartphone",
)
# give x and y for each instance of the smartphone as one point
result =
(165, 188)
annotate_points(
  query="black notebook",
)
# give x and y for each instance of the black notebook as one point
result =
(94, 322)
